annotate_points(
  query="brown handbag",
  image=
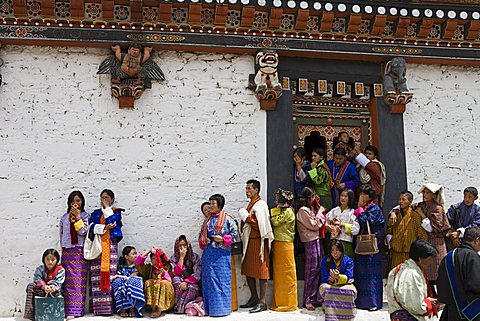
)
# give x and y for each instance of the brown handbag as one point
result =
(366, 243)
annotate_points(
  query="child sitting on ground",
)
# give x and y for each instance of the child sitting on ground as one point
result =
(47, 280)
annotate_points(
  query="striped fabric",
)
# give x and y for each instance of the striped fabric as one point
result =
(183, 297)
(102, 300)
(339, 302)
(127, 293)
(437, 240)
(75, 285)
(313, 258)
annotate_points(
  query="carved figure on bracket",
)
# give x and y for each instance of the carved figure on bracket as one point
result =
(267, 87)
(395, 88)
(132, 72)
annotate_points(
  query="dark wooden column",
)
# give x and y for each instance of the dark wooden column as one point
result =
(392, 153)
(280, 147)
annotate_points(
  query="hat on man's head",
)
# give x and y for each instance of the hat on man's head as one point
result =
(436, 189)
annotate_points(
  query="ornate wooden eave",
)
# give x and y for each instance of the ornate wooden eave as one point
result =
(427, 32)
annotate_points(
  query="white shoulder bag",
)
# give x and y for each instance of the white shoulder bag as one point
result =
(92, 249)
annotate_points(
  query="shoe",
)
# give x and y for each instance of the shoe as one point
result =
(259, 308)
(250, 304)
(374, 309)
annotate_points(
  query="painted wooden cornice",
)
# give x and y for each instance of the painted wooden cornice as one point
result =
(428, 32)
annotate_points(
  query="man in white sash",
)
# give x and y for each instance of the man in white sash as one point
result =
(257, 237)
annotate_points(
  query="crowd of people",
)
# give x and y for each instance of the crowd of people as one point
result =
(335, 209)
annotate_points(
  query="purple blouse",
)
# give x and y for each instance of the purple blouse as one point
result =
(65, 239)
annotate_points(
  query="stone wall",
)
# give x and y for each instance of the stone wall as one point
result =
(442, 128)
(198, 133)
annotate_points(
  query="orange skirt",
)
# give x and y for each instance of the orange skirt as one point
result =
(252, 266)
(284, 277)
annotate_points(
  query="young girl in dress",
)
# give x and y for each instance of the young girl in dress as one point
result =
(342, 222)
(127, 286)
(337, 289)
(311, 229)
(73, 228)
(159, 292)
(47, 280)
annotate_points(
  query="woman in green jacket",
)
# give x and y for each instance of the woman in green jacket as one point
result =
(322, 178)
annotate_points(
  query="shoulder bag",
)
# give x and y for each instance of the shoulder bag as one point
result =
(92, 249)
(366, 243)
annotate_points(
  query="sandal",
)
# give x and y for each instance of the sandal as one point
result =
(309, 307)
(123, 314)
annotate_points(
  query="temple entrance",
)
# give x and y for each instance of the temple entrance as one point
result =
(319, 123)
(325, 97)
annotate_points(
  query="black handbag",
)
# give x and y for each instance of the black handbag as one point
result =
(236, 248)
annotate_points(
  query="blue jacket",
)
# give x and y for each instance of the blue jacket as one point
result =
(346, 268)
(116, 217)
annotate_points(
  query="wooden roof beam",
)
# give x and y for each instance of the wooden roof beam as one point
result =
(275, 18)
(302, 18)
(473, 30)
(136, 10)
(402, 27)
(19, 8)
(378, 27)
(354, 22)
(165, 13)
(195, 13)
(248, 13)
(108, 10)
(48, 8)
(76, 9)
(425, 28)
(220, 14)
(450, 26)
(326, 23)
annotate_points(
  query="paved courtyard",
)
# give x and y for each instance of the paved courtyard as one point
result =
(244, 315)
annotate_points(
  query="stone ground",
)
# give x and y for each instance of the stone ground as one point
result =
(244, 315)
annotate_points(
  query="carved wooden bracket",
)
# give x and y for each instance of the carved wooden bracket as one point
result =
(131, 72)
(268, 98)
(127, 94)
(265, 82)
(398, 102)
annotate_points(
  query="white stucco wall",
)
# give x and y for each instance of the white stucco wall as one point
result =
(198, 133)
(442, 128)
